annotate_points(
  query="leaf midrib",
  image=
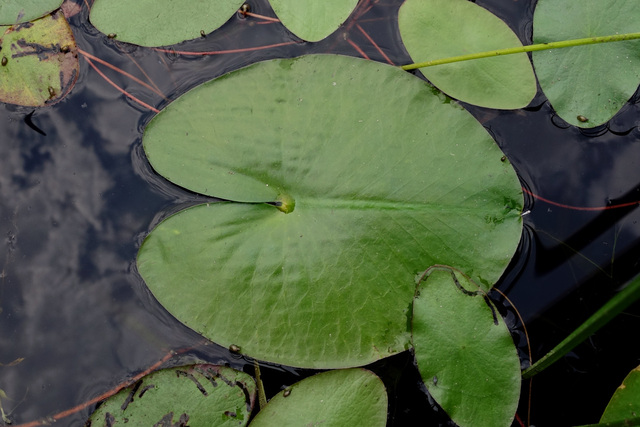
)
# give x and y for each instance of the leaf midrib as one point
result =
(373, 204)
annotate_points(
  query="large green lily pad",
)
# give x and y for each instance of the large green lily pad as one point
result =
(195, 395)
(351, 397)
(467, 361)
(313, 20)
(592, 81)
(436, 29)
(39, 61)
(160, 22)
(378, 185)
(18, 11)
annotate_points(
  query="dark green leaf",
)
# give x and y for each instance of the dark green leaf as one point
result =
(464, 351)
(436, 29)
(313, 20)
(352, 397)
(160, 22)
(587, 85)
(384, 183)
(17, 11)
(625, 402)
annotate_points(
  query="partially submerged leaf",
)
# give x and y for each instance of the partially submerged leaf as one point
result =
(378, 185)
(39, 61)
(18, 11)
(351, 397)
(160, 22)
(625, 402)
(313, 20)
(587, 85)
(196, 395)
(467, 360)
(436, 29)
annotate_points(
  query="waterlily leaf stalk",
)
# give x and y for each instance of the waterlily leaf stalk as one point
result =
(522, 49)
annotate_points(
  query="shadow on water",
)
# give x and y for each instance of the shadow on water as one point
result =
(77, 197)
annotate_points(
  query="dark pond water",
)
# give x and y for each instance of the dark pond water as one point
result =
(77, 197)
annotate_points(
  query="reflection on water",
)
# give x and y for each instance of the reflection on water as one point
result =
(77, 196)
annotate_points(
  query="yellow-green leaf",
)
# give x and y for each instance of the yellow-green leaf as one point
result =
(39, 61)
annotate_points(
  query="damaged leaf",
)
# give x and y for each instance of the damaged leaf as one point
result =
(467, 361)
(39, 61)
(196, 395)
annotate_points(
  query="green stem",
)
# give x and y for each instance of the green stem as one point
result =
(600, 318)
(522, 49)
(262, 397)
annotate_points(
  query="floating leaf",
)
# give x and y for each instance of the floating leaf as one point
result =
(202, 395)
(160, 22)
(313, 20)
(587, 85)
(351, 397)
(625, 402)
(435, 29)
(377, 184)
(468, 360)
(17, 11)
(39, 61)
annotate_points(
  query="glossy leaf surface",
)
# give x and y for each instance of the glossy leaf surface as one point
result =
(196, 395)
(17, 11)
(468, 360)
(625, 402)
(435, 29)
(40, 61)
(592, 81)
(351, 397)
(381, 190)
(160, 22)
(313, 20)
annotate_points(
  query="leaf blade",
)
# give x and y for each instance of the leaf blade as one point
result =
(468, 362)
(435, 29)
(312, 20)
(199, 394)
(594, 81)
(160, 22)
(40, 61)
(354, 397)
(330, 282)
